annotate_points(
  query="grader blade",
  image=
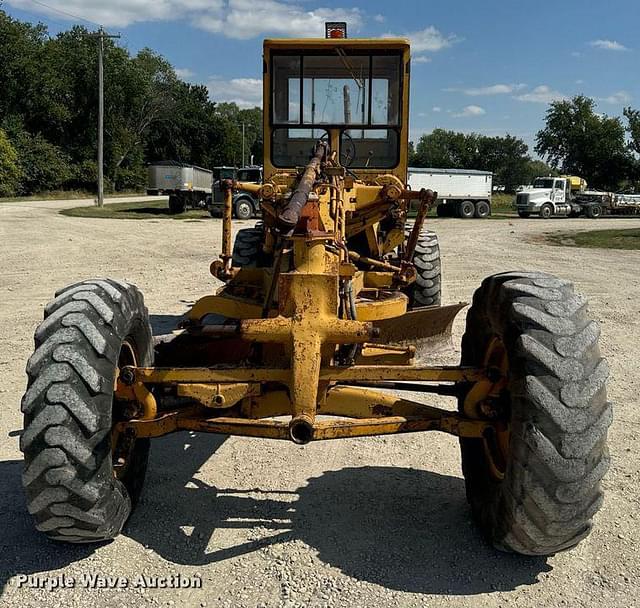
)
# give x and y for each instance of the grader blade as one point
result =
(428, 326)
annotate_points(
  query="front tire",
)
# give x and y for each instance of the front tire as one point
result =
(536, 490)
(243, 209)
(80, 481)
(546, 211)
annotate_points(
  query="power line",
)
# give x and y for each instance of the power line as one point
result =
(57, 10)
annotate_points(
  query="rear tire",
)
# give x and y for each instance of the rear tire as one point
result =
(427, 288)
(466, 210)
(441, 210)
(555, 402)
(524, 214)
(593, 211)
(176, 205)
(483, 209)
(247, 248)
(74, 491)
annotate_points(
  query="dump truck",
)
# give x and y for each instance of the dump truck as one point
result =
(462, 193)
(245, 204)
(323, 323)
(186, 185)
(568, 195)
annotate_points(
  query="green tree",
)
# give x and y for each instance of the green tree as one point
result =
(447, 150)
(633, 129)
(537, 168)
(10, 172)
(580, 141)
(44, 167)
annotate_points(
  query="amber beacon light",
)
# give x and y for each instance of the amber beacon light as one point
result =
(336, 29)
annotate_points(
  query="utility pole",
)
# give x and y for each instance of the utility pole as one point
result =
(101, 35)
(243, 163)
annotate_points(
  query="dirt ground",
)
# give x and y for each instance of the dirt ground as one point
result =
(363, 522)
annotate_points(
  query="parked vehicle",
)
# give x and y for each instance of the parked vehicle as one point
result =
(186, 185)
(567, 195)
(245, 204)
(463, 193)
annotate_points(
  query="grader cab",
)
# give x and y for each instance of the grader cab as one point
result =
(328, 310)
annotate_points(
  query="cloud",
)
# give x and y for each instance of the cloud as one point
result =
(244, 19)
(246, 92)
(429, 39)
(379, 18)
(421, 59)
(470, 111)
(608, 45)
(184, 73)
(576, 54)
(542, 94)
(119, 13)
(436, 109)
(240, 19)
(495, 89)
(619, 98)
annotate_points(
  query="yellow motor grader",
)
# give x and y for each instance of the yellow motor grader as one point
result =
(329, 309)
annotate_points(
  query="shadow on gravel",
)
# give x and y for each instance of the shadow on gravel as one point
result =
(24, 550)
(405, 529)
(164, 324)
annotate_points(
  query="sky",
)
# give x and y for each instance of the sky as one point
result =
(490, 67)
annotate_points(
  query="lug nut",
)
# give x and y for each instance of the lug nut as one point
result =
(127, 376)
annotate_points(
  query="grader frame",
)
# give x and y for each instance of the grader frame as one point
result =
(328, 309)
(312, 332)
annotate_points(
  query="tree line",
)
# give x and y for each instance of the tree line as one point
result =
(48, 114)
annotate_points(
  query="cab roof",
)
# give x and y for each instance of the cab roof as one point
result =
(346, 43)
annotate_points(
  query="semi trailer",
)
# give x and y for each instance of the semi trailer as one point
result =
(463, 193)
(186, 185)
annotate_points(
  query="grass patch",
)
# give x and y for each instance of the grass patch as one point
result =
(142, 210)
(598, 239)
(502, 203)
(61, 195)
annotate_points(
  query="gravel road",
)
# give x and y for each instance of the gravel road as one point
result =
(364, 522)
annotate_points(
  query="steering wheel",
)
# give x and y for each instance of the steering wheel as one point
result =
(347, 152)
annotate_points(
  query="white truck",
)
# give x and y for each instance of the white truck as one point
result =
(567, 195)
(186, 185)
(463, 193)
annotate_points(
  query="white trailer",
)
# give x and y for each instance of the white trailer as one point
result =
(185, 184)
(463, 193)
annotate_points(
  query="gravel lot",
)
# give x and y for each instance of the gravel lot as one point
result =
(364, 522)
